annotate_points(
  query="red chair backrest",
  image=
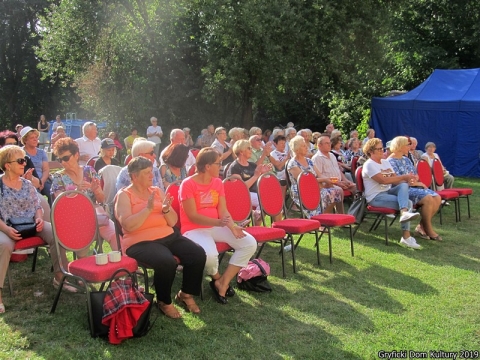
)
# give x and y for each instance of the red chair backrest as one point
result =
(359, 179)
(128, 159)
(270, 194)
(91, 161)
(437, 172)
(173, 190)
(74, 220)
(309, 191)
(192, 170)
(353, 165)
(195, 152)
(424, 172)
(237, 196)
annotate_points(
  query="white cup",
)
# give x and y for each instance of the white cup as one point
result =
(114, 256)
(101, 259)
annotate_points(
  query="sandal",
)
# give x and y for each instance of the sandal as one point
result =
(421, 232)
(66, 286)
(188, 302)
(169, 310)
(436, 238)
(2, 308)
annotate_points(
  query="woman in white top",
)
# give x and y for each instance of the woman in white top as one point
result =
(431, 155)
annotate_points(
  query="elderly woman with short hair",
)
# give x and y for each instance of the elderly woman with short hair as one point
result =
(18, 198)
(331, 196)
(427, 200)
(173, 169)
(188, 137)
(147, 219)
(224, 148)
(431, 155)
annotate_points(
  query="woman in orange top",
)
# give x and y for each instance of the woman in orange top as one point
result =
(147, 219)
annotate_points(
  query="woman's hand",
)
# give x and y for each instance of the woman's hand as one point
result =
(225, 220)
(95, 185)
(40, 223)
(167, 203)
(13, 234)
(84, 185)
(237, 231)
(28, 174)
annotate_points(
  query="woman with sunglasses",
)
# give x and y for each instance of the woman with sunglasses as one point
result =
(206, 220)
(18, 198)
(82, 178)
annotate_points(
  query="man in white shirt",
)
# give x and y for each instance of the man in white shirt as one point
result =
(89, 144)
(58, 122)
(177, 136)
(327, 164)
(154, 134)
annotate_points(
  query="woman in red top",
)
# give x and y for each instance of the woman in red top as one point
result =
(206, 220)
(147, 219)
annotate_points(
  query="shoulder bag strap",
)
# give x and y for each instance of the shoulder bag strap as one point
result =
(260, 267)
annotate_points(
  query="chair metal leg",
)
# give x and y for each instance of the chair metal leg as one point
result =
(292, 242)
(57, 296)
(351, 239)
(317, 245)
(386, 230)
(282, 245)
(468, 206)
(34, 262)
(330, 244)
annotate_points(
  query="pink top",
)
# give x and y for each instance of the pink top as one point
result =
(206, 199)
(154, 227)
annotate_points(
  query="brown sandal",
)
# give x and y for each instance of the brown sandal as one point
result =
(188, 302)
(169, 310)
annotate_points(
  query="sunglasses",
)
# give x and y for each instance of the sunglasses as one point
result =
(65, 158)
(20, 161)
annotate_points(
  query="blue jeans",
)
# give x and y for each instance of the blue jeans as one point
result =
(395, 198)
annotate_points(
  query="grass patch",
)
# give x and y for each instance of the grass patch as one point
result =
(384, 298)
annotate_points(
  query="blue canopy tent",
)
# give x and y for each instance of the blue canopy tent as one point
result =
(444, 109)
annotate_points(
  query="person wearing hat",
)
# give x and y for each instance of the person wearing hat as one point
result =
(108, 151)
(18, 128)
(29, 138)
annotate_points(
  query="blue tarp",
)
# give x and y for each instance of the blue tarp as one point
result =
(74, 127)
(444, 109)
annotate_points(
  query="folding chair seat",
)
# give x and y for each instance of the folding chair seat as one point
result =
(272, 204)
(239, 206)
(75, 228)
(464, 193)
(426, 174)
(380, 213)
(310, 198)
(33, 242)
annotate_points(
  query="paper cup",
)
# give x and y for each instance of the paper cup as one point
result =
(114, 256)
(101, 259)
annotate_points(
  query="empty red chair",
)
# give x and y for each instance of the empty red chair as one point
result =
(310, 198)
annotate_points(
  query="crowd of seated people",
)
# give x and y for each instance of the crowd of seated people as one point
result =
(147, 217)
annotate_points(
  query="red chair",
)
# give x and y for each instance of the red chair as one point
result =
(91, 161)
(128, 159)
(239, 206)
(309, 195)
(437, 172)
(380, 213)
(272, 204)
(195, 152)
(173, 189)
(353, 167)
(192, 170)
(425, 175)
(29, 243)
(75, 228)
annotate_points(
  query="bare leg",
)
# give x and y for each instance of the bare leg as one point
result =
(430, 205)
(223, 282)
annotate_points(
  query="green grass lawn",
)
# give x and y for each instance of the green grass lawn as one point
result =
(384, 298)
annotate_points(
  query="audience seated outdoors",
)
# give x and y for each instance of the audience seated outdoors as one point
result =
(173, 169)
(145, 148)
(128, 141)
(430, 155)
(427, 200)
(413, 154)
(383, 188)
(177, 136)
(327, 164)
(89, 143)
(29, 138)
(331, 195)
(10, 138)
(260, 152)
(188, 138)
(279, 158)
(108, 151)
(149, 236)
(20, 199)
(206, 220)
(57, 135)
(82, 178)
(353, 150)
(336, 150)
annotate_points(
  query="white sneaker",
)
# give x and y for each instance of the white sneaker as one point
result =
(407, 216)
(410, 242)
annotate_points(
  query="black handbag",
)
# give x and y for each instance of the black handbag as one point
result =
(25, 226)
(96, 299)
(357, 209)
(258, 283)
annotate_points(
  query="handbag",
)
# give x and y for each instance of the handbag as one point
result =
(254, 277)
(143, 325)
(26, 226)
(357, 209)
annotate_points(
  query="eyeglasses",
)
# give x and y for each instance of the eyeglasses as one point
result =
(20, 161)
(65, 158)
(378, 149)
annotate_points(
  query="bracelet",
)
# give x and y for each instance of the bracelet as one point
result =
(165, 212)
